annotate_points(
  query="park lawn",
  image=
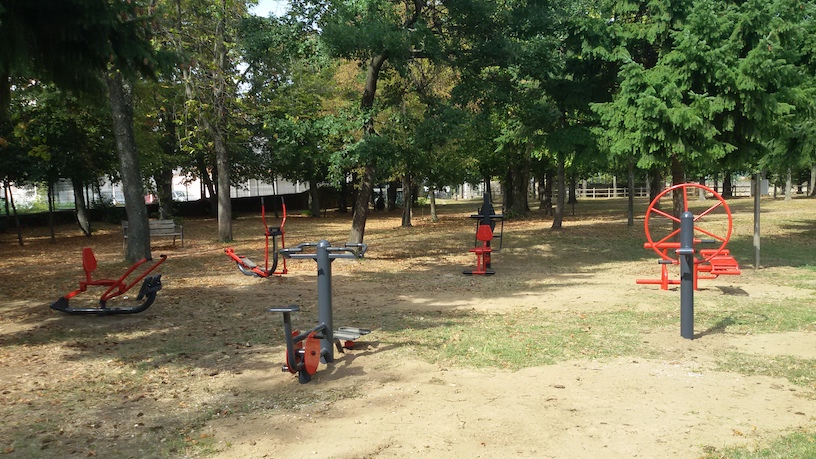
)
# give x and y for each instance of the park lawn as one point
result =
(155, 384)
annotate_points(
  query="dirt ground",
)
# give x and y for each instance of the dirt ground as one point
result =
(379, 400)
(624, 407)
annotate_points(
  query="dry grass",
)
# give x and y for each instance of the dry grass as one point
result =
(143, 385)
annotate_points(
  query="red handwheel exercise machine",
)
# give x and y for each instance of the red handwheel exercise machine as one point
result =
(712, 225)
(683, 233)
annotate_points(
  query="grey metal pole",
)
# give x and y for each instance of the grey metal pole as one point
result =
(324, 300)
(686, 253)
(757, 194)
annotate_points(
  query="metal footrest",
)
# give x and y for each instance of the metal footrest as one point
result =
(359, 331)
(345, 336)
(350, 333)
(248, 263)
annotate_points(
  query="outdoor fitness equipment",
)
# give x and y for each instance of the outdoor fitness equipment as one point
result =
(115, 288)
(685, 248)
(711, 262)
(485, 227)
(247, 266)
(306, 350)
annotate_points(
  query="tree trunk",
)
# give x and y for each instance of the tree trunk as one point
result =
(728, 190)
(358, 220)
(573, 185)
(217, 127)
(10, 200)
(545, 195)
(391, 196)
(314, 197)
(208, 184)
(5, 102)
(506, 187)
(164, 177)
(342, 201)
(83, 219)
(121, 102)
(432, 198)
(519, 186)
(366, 186)
(5, 133)
(50, 194)
(678, 177)
(164, 192)
(631, 185)
(407, 200)
(558, 217)
(6, 191)
(788, 186)
(224, 201)
(655, 184)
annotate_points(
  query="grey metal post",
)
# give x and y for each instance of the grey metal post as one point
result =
(686, 253)
(324, 255)
(757, 203)
(324, 300)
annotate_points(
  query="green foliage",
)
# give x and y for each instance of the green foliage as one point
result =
(362, 29)
(73, 42)
(470, 89)
(57, 135)
(703, 81)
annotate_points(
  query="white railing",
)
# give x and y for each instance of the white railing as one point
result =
(617, 192)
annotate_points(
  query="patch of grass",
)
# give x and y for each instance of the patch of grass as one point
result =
(803, 277)
(798, 371)
(525, 338)
(798, 445)
(742, 315)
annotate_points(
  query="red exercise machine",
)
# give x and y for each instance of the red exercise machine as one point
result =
(710, 262)
(250, 268)
(486, 223)
(116, 288)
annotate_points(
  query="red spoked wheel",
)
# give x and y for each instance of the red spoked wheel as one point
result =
(710, 221)
(311, 356)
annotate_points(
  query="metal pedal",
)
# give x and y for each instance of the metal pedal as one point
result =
(359, 331)
(290, 308)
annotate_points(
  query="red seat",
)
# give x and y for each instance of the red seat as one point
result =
(89, 266)
(484, 235)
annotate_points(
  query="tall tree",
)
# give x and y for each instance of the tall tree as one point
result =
(703, 82)
(295, 101)
(204, 33)
(74, 43)
(372, 32)
(70, 136)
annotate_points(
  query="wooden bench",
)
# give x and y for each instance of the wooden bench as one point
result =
(158, 228)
